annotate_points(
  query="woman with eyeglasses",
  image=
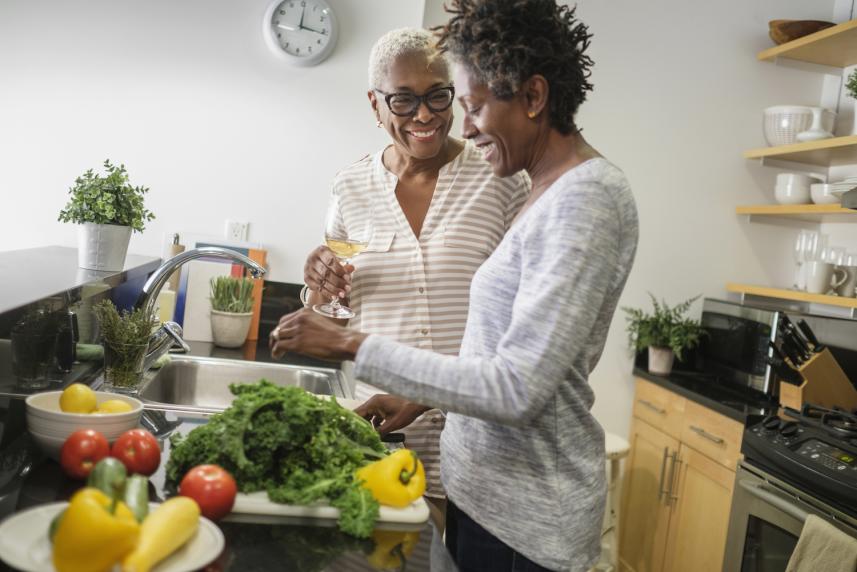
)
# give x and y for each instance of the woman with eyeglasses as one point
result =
(438, 212)
(522, 456)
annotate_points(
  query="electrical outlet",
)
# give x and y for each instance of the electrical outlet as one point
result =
(237, 230)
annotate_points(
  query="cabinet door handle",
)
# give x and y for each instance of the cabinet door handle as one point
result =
(706, 435)
(653, 407)
(661, 491)
(675, 468)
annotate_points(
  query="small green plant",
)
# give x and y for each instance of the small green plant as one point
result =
(125, 336)
(666, 327)
(851, 84)
(108, 199)
(230, 294)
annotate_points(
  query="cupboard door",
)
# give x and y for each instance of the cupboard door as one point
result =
(644, 514)
(701, 499)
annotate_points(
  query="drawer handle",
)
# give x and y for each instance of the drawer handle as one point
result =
(653, 407)
(706, 435)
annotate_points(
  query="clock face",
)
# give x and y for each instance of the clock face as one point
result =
(302, 31)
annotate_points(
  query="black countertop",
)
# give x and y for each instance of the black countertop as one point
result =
(28, 478)
(710, 392)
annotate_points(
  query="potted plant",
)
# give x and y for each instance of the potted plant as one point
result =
(666, 332)
(851, 86)
(231, 310)
(107, 209)
(125, 336)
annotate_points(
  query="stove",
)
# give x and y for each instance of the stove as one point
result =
(813, 450)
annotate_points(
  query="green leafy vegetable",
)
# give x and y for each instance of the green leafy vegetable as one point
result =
(283, 440)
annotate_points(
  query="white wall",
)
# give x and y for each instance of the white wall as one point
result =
(187, 95)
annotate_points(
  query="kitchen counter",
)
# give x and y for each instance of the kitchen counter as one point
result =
(709, 392)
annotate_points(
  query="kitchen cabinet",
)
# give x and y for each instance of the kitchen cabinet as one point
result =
(677, 484)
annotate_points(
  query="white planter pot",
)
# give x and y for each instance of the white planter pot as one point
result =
(102, 246)
(660, 360)
(228, 329)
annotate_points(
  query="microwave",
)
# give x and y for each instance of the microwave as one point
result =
(736, 344)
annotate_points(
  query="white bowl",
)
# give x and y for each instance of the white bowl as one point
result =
(45, 418)
(792, 194)
(782, 123)
(822, 195)
(798, 179)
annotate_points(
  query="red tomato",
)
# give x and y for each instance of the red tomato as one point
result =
(213, 489)
(81, 451)
(138, 450)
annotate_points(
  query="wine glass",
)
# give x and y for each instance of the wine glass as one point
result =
(800, 258)
(347, 231)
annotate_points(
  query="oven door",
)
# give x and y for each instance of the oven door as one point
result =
(766, 521)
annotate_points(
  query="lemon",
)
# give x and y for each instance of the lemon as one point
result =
(113, 406)
(78, 398)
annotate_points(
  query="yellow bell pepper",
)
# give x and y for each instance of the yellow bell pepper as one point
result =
(396, 480)
(95, 533)
(392, 547)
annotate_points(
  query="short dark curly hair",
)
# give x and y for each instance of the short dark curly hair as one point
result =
(504, 42)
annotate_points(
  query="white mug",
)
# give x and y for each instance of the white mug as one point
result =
(822, 276)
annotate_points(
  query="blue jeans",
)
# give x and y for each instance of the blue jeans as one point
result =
(474, 549)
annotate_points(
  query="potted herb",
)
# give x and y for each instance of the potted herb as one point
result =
(107, 209)
(666, 332)
(851, 86)
(231, 310)
(125, 336)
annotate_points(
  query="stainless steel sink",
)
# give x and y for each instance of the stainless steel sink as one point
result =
(200, 384)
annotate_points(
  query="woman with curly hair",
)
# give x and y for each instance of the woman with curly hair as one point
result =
(522, 457)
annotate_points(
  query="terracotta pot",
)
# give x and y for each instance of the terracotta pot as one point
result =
(660, 360)
(229, 329)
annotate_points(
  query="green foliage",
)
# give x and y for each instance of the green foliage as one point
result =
(666, 327)
(297, 447)
(108, 199)
(125, 337)
(851, 84)
(230, 294)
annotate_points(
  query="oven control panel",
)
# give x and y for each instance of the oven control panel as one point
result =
(835, 459)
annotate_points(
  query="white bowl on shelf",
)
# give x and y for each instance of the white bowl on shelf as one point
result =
(792, 194)
(822, 194)
(782, 123)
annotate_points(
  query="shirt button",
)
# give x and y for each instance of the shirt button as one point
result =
(422, 290)
(424, 332)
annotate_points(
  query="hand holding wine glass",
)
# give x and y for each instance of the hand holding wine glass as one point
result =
(345, 240)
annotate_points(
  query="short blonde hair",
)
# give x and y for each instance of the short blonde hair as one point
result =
(397, 43)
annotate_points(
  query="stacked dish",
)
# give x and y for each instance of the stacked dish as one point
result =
(836, 189)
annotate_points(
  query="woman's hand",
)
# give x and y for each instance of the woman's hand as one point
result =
(310, 334)
(390, 413)
(324, 274)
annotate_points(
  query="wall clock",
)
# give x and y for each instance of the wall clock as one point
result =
(302, 32)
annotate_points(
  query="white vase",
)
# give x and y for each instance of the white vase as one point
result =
(660, 360)
(230, 329)
(102, 246)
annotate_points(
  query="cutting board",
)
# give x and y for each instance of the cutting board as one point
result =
(258, 504)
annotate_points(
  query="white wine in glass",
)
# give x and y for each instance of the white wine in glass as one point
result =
(346, 237)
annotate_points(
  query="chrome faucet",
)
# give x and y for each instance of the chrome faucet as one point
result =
(170, 333)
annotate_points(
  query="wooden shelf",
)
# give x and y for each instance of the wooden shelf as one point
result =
(826, 153)
(796, 295)
(811, 213)
(836, 47)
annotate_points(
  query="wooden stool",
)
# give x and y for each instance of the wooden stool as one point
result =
(616, 449)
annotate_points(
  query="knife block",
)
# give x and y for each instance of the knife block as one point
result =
(824, 384)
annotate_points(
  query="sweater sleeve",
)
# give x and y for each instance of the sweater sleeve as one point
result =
(568, 257)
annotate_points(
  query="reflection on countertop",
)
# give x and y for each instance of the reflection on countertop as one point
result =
(709, 390)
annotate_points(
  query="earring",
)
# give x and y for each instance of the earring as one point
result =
(379, 124)
(531, 114)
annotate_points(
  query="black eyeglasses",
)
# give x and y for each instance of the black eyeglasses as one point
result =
(406, 104)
